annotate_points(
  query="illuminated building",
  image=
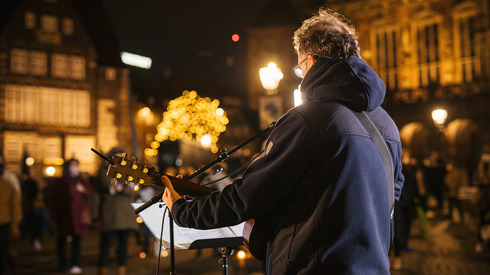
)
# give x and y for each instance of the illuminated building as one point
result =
(63, 88)
(430, 54)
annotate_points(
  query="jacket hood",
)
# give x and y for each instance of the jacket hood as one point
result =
(350, 82)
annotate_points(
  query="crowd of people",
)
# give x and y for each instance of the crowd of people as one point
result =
(434, 188)
(68, 206)
(77, 202)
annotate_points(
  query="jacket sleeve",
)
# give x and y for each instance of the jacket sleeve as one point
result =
(264, 184)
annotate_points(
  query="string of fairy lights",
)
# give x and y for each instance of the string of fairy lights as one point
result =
(191, 116)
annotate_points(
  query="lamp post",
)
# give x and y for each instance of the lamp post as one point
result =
(270, 105)
(439, 117)
(270, 77)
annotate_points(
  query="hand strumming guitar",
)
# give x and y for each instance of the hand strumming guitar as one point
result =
(170, 195)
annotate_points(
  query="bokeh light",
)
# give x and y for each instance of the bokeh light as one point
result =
(191, 117)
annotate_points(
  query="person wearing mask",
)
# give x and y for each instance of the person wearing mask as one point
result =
(70, 213)
(321, 186)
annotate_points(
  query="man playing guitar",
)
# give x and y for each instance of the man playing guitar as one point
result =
(321, 186)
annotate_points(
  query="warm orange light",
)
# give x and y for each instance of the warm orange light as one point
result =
(241, 255)
(235, 37)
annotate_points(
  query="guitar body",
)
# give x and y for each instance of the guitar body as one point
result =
(255, 233)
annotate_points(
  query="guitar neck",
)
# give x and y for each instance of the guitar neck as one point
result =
(182, 186)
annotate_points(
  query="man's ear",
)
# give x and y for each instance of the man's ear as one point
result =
(311, 59)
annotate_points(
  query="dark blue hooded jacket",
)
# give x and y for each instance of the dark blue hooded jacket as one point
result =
(321, 184)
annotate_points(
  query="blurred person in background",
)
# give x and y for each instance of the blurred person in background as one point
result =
(10, 214)
(118, 220)
(70, 213)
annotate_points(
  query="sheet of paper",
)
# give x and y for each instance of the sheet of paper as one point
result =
(183, 237)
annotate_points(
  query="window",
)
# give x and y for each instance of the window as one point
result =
(49, 23)
(19, 61)
(47, 106)
(77, 67)
(38, 61)
(59, 65)
(110, 73)
(67, 26)
(427, 33)
(467, 57)
(386, 39)
(30, 20)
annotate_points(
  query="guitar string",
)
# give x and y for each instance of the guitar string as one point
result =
(239, 169)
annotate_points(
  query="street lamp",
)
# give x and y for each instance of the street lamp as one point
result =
(439, 117)
(270, 77)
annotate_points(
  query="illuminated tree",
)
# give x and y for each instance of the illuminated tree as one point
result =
(190, 116)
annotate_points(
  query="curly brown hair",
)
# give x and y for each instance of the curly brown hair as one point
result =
(327, 33)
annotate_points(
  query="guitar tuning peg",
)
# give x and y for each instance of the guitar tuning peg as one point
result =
(114, 181)
(129, 179)
(118, 175)
(141, 181)
(134, 166)
(126, 184)
(124, 154)
(123, 162)
(145, 169)
(137, 187)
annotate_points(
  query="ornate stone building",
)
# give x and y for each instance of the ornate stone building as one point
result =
(63, 88)
(431, 54)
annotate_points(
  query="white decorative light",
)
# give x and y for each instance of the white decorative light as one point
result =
(136, 60)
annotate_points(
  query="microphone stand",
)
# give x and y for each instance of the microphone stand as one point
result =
(224, 154)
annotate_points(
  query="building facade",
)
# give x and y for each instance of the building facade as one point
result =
(61, 93)
(431, 55)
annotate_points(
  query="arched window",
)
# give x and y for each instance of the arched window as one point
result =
(467, 60)
(385, 40)
(426, 33)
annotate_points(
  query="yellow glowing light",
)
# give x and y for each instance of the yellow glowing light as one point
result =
(155, 144)
(139, 219)
(145, 111)
(206, 140)
(191, 116)
(439, 116)
(270, 76)
(241, 255)
(50, 171)
(29, 161)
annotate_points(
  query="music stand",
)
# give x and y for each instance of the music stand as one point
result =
(188, 238)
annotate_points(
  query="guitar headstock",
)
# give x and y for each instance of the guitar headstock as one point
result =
(129, 170)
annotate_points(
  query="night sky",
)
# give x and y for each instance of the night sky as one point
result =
(186, 39)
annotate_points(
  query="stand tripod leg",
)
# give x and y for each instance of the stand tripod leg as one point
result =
(225, 251)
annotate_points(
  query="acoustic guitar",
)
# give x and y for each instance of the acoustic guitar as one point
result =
(130, 171)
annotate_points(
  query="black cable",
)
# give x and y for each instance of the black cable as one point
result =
(161, 240)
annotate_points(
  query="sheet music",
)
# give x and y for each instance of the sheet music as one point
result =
(183, 237)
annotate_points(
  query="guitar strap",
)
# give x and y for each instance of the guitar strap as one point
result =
(385, 153)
